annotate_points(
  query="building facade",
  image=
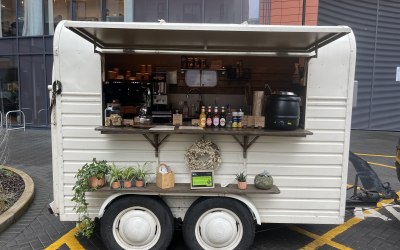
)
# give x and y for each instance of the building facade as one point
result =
(376, 26)
(27, 28)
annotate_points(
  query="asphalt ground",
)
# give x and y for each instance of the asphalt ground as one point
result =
(377, 228)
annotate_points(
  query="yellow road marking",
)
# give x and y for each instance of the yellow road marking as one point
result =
(381, 165)
(67, 239)
(317, 238)
(376, 155)
(326, 239)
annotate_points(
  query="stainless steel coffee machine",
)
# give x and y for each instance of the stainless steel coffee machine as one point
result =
(160, 109)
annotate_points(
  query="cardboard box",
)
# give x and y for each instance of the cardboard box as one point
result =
(165, 180)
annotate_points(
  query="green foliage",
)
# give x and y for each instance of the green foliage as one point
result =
(241, 177)
(95, 168)
(116, 174)
(128, 173)
(141, 171)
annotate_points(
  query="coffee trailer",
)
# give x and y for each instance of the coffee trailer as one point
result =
(309, 164)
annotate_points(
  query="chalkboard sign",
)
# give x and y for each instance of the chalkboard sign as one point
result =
(202, 179)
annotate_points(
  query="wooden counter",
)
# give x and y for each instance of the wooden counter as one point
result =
(205, 131)
(250, 135)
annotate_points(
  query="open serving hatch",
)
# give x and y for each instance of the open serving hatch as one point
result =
(208, 39)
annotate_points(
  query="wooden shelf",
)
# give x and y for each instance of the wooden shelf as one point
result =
(250, 135)
(210, 131)
(184, 188)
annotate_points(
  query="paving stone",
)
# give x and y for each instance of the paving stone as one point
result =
(36, 244)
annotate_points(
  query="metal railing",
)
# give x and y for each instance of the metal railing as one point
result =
(9, 123)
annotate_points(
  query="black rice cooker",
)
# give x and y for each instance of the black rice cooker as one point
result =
(282, 111)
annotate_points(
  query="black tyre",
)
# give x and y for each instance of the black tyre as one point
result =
(137, 222)
(218, 223)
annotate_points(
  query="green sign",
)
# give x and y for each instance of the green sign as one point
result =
(202, 179)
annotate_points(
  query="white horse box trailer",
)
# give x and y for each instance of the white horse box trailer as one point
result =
(309, 165)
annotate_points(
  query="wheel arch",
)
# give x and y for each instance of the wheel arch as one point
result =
(250, 205)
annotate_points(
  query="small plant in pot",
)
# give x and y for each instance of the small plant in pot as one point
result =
(141, 173)
(241, 178)
(115, 177)
(89, 177)
(128, 174)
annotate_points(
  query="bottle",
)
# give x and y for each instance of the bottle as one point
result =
(185, 110)
(222, 118)
(203, 117)
(209, 118)
(192, 110)
(216, 118)
(240, 118)
(229, 117)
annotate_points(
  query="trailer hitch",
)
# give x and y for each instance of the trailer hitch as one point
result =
(373, 189)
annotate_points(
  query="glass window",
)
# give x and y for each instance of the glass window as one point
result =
(150, 10)
(186, 11)
(114, 10)
(33, 87)
(56, 10)
(8, 18)
(30, 17)
(9, 90)
(86, 10)
(223, 11)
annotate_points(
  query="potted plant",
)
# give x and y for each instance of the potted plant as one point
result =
(90, 177)
(115, 176)
(241, 178)
(128, 174)
(141, 173)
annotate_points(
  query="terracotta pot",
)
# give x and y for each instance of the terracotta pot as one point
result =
(127, 184)
(242, 185)
(94, 182)
(116, 184)
(139, 183)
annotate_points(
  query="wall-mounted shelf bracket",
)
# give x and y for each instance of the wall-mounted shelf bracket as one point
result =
(156, 142)
(245, 143)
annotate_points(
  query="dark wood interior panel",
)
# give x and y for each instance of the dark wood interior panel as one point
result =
(275, 71)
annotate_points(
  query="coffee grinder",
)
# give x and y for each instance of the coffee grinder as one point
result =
(160, 109)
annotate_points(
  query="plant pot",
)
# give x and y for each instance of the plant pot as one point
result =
(242, 185)
(96, 183)
(116, 184)
(127, 184)
(139, 183)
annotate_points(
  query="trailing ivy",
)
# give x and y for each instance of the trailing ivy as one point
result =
(95, 168)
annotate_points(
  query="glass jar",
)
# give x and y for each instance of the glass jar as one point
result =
(107, 115)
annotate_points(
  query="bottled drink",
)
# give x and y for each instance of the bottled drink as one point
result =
(203, 117)
(229, 117)
(222, 119)
(209, 118)
(216, 118)
(185, 110)
(240, 118)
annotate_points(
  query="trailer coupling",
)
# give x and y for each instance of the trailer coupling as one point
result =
(372, 190)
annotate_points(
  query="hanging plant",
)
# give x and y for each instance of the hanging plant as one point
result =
(97, 169)
(203, 155)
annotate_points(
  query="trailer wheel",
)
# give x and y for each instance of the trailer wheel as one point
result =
(137, 222)
(218, 223)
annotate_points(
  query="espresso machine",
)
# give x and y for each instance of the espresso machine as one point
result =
(160, 109)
